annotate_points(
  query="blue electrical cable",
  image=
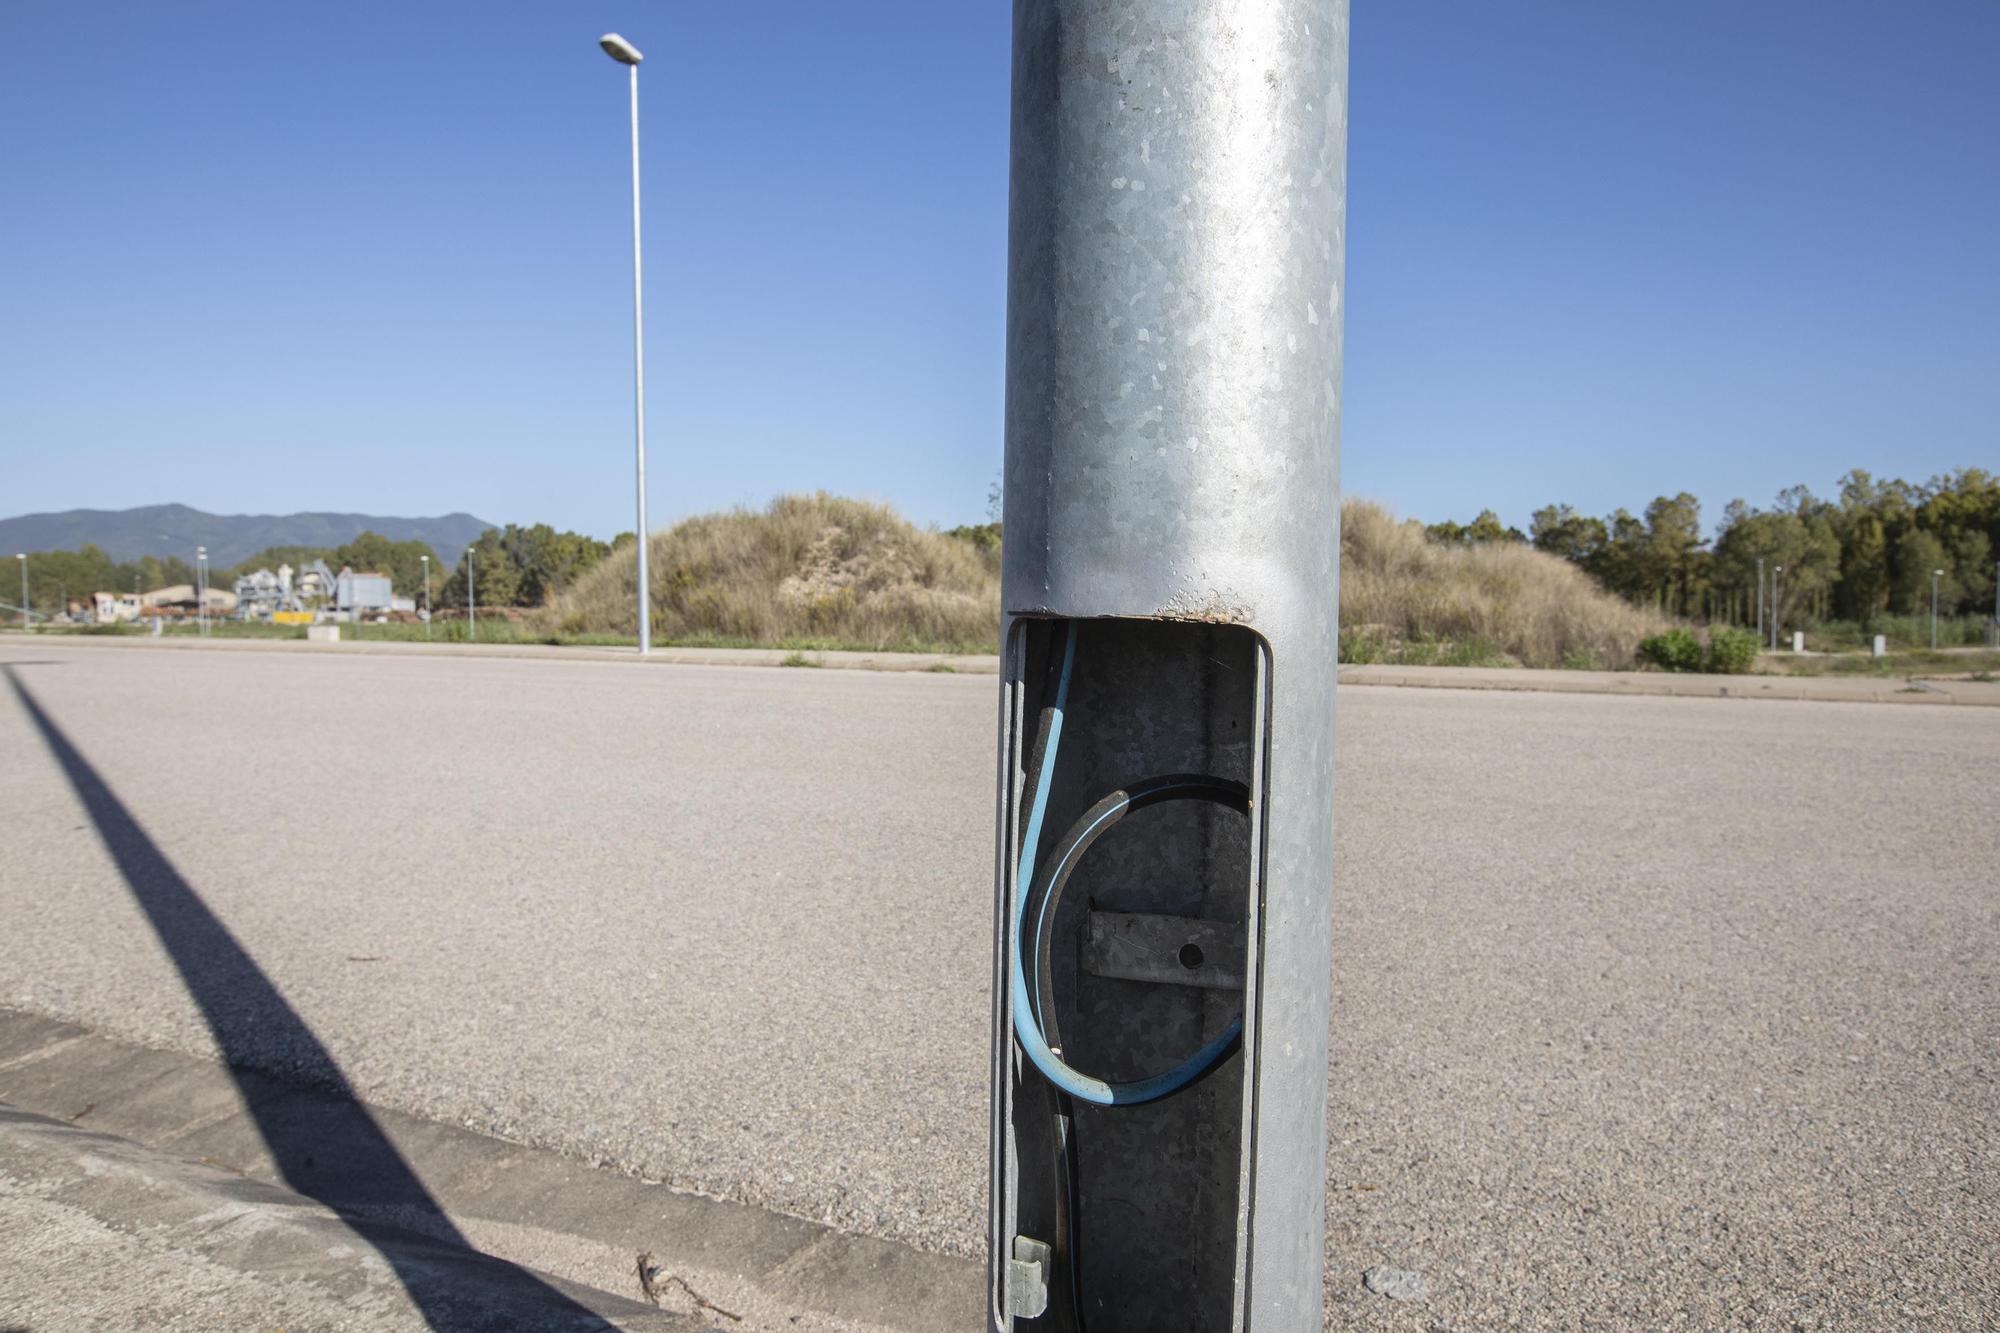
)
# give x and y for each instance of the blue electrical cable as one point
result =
(1027, 1024)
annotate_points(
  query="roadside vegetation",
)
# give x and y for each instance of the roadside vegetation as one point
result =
(1863, 563)
(1413, 601)
(818, 573)
(807, 572)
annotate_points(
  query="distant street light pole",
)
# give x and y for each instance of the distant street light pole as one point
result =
(26, 624)
(201, 588)
(1936, 574)
(471, 599)
(427, 595)
(628, 55)
(1775, 571)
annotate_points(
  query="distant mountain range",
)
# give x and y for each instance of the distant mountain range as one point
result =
(166, 530)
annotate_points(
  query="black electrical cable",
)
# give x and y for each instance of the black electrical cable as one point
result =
(1092, 825)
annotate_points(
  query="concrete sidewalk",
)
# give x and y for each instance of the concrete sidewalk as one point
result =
(136, 1188)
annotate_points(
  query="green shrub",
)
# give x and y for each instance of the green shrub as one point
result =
(1731, 652)
(1674, 650)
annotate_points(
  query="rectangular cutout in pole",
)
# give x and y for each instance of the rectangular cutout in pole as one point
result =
(1170, 597)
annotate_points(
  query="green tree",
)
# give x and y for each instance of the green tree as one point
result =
(1561, 531)
(403, 562)
(549, 561)
(495, 580)
(1863, 590)
(1918, 554)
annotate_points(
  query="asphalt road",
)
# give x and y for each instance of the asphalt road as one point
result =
(1647, 1012)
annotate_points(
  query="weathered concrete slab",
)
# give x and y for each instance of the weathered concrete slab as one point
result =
(101, 1232)
(525, 1204)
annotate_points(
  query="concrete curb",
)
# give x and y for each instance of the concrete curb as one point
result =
(527, 1205)
(103, 1233)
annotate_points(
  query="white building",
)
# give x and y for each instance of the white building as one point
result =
(109, 607)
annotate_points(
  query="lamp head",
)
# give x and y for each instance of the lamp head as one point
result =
(619, 49)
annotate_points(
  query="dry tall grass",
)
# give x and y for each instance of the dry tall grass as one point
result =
(809, 569)
(824, 571)
(1398, 588)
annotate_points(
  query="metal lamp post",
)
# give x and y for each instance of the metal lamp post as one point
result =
(1168, 603)
(1936, 574)
(471, 598)
(26, 624)
(628, 55)
(201, 588)
(427, 594)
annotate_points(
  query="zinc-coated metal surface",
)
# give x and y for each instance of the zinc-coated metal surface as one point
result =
(1649, 1012)
(1176, 251)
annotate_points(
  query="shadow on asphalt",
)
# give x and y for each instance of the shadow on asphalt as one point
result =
(323, 1140)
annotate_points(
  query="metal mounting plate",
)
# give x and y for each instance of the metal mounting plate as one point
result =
(1168, 950)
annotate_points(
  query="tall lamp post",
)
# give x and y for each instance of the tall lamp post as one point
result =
(471, 599)
(1936, 574)
(427, 594)
(628, 55)
(26, 624)
(201, 588)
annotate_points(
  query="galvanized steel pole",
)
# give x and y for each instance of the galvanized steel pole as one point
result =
(471, 598)
(628, 55)
(1760, 596)
(639, 383)
(1175, 295)
(26, 623)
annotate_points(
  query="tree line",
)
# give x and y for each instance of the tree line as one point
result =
(512, 566)
(1873, 550)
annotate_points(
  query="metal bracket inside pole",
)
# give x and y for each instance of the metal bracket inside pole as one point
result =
(1165, 950)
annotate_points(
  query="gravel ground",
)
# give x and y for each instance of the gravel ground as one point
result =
(1648, 1012)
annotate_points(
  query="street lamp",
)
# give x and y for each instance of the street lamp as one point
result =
(201, 588)
(427, 595)
(23, 558)
(471, 599)
(628, 55)
(1936, 574)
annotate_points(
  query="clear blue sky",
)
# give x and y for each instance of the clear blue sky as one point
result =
(374, 256)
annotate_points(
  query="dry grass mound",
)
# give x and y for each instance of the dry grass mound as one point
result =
(1498, 602)
(813, 570)
(820, 571)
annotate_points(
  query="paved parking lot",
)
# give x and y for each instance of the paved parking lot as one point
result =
(1648, 1011)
